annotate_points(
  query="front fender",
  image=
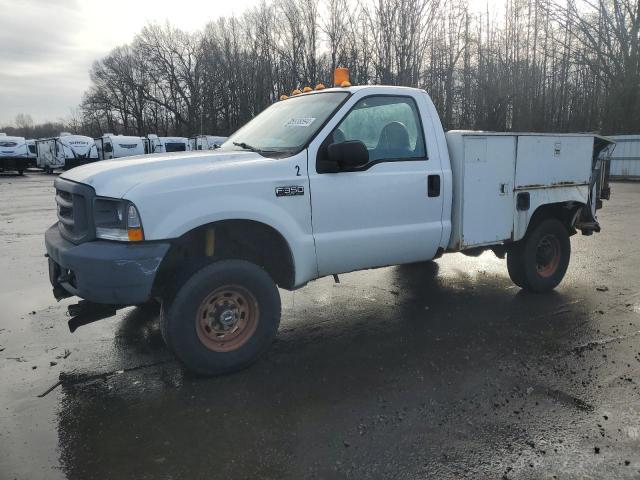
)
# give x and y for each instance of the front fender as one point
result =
(290, 216)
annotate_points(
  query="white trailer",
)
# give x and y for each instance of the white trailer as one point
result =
(625, 160)
(156, 144)
(65, 151)
(13, 153)
(206, 142)
(119, 146)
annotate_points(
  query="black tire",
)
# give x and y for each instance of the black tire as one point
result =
(234, 291)
(20, 172)
(539, 261)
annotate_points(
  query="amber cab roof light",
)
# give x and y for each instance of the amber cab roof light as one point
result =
(341, 77)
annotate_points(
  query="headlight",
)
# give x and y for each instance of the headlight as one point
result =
(117, 220)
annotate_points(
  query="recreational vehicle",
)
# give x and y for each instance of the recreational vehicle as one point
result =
(156, 144)
(206, 142)
(118, 146)
(65, 151)
(13, 153)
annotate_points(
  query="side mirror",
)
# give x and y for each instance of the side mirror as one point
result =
(348, 155)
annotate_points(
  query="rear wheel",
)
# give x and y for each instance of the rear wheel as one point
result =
(540, 261)
(20, 172)
(223, 318)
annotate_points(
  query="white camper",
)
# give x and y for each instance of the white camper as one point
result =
(13, 153)
(65, 151)
(156, 144)
(206, 142)
(118, 146)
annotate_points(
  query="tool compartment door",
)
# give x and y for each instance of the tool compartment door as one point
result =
(548, 160)
(487, 205)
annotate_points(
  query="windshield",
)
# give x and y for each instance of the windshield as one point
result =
(286, 126)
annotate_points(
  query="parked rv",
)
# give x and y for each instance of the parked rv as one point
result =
(118, 146)
(325, 182)
(206, 142)
(32, 153)
(13, 153)
(65, 151)
(156, 144)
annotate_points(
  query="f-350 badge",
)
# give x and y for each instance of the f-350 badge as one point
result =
(290, 191)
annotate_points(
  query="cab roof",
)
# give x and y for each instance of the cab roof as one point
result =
(354, 89)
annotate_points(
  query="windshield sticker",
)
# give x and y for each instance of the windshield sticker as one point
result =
(300, 122)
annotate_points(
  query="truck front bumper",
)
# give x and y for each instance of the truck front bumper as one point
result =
(102, 271)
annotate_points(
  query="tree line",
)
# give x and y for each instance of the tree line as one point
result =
(537, 65)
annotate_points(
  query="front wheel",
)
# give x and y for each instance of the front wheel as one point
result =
(539, 261)
(223, 318)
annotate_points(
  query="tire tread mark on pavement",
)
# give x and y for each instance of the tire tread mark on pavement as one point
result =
(603, 341)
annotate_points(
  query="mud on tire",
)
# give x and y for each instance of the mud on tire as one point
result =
(223, 318)
(539, 261)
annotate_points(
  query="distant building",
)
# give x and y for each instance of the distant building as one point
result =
(625, 160)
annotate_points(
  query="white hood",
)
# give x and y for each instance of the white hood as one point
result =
(114, 178)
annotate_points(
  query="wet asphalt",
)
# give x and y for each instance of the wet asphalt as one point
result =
(442, 370)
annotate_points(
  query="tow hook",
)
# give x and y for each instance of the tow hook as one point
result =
(85, 312)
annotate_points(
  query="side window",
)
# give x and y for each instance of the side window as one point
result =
(389, 127)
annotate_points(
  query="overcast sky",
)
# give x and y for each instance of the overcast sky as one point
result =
(47, 46)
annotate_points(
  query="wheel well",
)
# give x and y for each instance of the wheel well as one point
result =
(563, 211)
(238, 239)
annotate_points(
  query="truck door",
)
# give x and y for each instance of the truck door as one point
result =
(387, 212)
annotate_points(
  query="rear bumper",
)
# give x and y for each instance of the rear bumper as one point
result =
(101, 271)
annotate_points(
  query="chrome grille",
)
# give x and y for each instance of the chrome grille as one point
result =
(65, 209)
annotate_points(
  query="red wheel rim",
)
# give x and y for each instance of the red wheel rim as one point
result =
(548, 255)
(227, 318)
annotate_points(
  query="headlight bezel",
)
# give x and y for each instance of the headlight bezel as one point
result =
(117, 220)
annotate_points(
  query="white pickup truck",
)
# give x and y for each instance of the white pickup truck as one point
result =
(321, 183)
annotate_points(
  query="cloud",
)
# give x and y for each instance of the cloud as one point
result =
(42, 70)
(48, 46)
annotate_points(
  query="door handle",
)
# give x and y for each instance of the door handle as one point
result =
(433, 186)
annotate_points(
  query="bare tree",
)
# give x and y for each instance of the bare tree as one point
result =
(539, 65)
